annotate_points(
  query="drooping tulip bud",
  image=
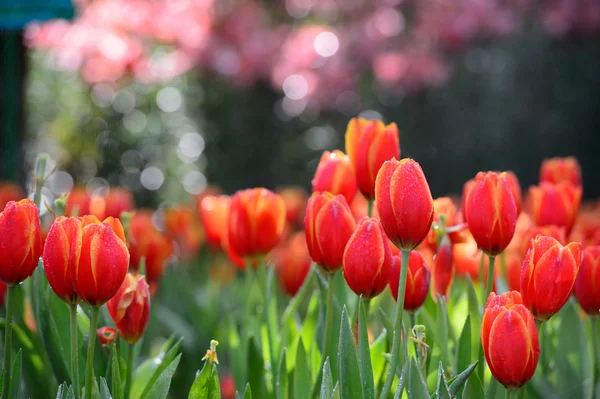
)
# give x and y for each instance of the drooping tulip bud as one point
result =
(328, 225)
(335, 175)
(103, 260)
(146, 241)
(183, 226)
(117, 201)
(443, 269)
(510, 339)
(20, 241)
(491, 212)
(417, 280)
(556, 170)
(256, 222)
(9, 192)
(130, 307)
(368, 145)
(404, 202)
(294, 199)
(106, 335)
(556, 204)
(292, 263)
(548, 275)
(367, 259)
(587, 285)
(214, 214)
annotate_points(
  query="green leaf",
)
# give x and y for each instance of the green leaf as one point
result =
(148, 373)
(441, 329)
(364, 356)
(401, 381)
(238, 355)
(104, 392)
(463, 346)
(476, 312)
(302, 382)
(417, 387)
(473, 388)
(442, 391)
(336, 391)
(327, 383)
(461, 379)
(206, 384)
(117, 386)
(248, 392)
(160, 388)
(255, 369)
(349, 374)
(15, 379)
(62, 391)
(378, 348)
(493, 386)
(282, 377)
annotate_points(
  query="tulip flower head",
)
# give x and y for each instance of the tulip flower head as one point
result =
(20, 241)
(368, 145)
(292, 263)
(130, 307)
(404, 202)
(214, 214)
(491, 212)
(556, 170)
(417, 280)
(106, 335)
(9, 192)
(294, 199)
(328, 225)
(367, 259)
(256, 222)
(556, 204)
(548, 275)
(443, 269)
(117, 201)
(515, 188)
(587, 285)
(335, 175)
(183, 226)
(510, 339)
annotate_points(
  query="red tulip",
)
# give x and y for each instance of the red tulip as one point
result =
(79, 200)
(117, 201)
(417, 280)
(147, 242)
(510, 339)
(106, 335)
(491, 212)
(9, 192)
(367, 259)
(368, 145)
(103, 260)
(548, 275)
(183, 226)
(404, 202)
(292, 263)
(294, 199)
(256, 222)
(556, 204)
(20, 241)
(214, 214)
(533, 231)
(443, 269)
(335, 174)
(515, 188)
(130, 307)
(328, 225)
(556, 170)
(441, 206)
(587, 285)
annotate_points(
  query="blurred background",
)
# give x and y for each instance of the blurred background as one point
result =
(166, 97)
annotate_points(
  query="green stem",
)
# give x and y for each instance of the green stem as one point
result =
(481, 270)
(328, 317)
(512, 393)
(490, 278)
(369, 208)
(130, 353)
(595, 347)
(539, 324)
(267, 299)
(10, 299)
(40, 171)
(74, 351)
(397, 325)
(89, 368)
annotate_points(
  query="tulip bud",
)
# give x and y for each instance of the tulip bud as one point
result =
(556, 170)
(367, 259)
(335, 175)
(130, 307)
(117, 201)
(292, 263)
(368, 145)
(404, 202)
(328, 225)
(256, 221)
(103, 260)
(587, 285)
(9, 192)
(548, 275)
(20, 241)
(509, 339)
(147, 242)
(417, 280)
(443, 269)
(106, 335)
(294, 199)
(556, 204)
(491, 212)
(214, 213)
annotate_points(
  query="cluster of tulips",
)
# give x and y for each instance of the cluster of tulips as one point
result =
(371, 215)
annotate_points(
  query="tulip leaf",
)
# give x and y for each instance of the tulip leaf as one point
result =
(206, 384)
(327, 383)
(401, 381)
(302, 383)
(441, 328)
(62, 391)
(248, 392)
(117, 386)
(255, 368)
(364, 356)
(104, 392)
(493, 388)
(463, 346)
(417, 387)
(473, 388)
(15, 378)
(387, 325)
(238, 355)
(442, 391)
(148, 373)
(460, 380)
(349, 373)
(335, 394)
(160, 388)
(282, 376)
(377, 350)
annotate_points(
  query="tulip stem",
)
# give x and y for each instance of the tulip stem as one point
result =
(10, 298)
(512, 393)
(397, 325)
(89, 368)
(40, 171)
(328, 317)
(481, 271)
(130, 352)
(490, 278)
(595, 349)
(369, 208)
(74, 351)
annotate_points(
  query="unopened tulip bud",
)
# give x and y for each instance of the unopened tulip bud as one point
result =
(130, 307)
(555, 204)
(335, 175)
(556, 170)
(106, 335)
